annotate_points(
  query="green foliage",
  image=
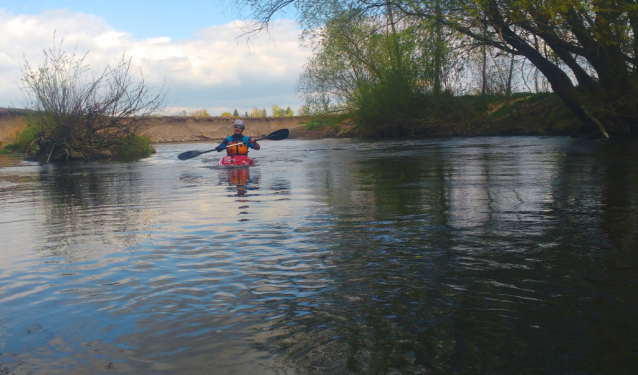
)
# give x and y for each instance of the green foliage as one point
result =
(235, 114)
(200, 113)
(24, 141)
(584, 51)
(226, 114)
(276, 111)
(304, 111)
(317, 122)
(386, 74)
(130, 147)
(481, 103)
(280, 112)
(39, 125)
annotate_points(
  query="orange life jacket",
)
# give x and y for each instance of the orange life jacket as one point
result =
(233, 149)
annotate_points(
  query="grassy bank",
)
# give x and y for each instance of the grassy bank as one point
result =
(469, 115)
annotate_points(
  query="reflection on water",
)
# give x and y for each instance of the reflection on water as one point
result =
(483, 255)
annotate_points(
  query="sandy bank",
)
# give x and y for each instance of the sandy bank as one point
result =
(189, 129)
(183, 129)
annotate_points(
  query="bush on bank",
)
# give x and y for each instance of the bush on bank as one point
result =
(84, 114)
(25, 143)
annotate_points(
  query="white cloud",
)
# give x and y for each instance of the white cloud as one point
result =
(215, 70)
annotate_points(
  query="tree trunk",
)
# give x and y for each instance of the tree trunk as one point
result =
(509, 77)
(558, 79)
(484, 72)
(438, 51)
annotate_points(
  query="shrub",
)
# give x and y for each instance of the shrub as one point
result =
(83, 112)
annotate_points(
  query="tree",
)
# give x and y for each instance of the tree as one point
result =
(264, 113)
(246, 114)
(87, 114)
(256, 112)
(235, 113)
(304, 111)
(380, 70)
(276, 111)
(200, 113)
(226, 114)
(587, 50)
(289, 112)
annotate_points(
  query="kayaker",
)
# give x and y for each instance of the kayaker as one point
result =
(238, 137)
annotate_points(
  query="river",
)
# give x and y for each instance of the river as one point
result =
(509, 255)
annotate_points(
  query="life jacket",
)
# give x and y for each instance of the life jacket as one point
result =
(233, 149)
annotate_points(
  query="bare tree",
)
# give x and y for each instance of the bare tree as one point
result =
(87, 114)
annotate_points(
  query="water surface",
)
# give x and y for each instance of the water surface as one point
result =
(479, 255)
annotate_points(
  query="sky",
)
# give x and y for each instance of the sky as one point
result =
(194, 46)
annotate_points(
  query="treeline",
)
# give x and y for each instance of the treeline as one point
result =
(256, 112)
(400, 66)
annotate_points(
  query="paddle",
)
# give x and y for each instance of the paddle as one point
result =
(274, 136)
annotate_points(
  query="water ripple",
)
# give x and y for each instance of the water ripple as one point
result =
(334, 256)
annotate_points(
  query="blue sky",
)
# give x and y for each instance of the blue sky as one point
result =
(193, 45)
(144, 18)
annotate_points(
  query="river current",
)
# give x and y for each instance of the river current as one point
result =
(513, 255)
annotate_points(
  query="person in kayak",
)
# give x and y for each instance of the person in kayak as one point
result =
(238, 137)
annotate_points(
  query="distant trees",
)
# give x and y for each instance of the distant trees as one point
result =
(278, 112)
(200, 113)
(288, 112)
(257, 113)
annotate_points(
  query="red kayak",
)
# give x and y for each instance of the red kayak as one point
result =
(236, 161)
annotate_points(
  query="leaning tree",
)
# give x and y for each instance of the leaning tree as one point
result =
(586, 49)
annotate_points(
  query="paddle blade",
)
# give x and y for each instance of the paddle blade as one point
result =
(189, 155)
(278, 135)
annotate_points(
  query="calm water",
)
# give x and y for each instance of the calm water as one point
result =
(469, 256)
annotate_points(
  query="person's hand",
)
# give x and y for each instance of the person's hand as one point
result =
(219, 148)
(253, 140)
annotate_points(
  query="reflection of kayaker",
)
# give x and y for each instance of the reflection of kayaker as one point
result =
(240, 180)
(238, 176)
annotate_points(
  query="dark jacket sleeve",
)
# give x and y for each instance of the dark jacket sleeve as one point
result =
(222, 145)
(248, 142)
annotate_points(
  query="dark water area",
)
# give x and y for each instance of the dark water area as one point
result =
(449, 256)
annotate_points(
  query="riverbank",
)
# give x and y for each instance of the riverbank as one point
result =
(539, 114)
(179, 128)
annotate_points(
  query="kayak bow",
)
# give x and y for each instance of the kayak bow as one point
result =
(235, 161)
